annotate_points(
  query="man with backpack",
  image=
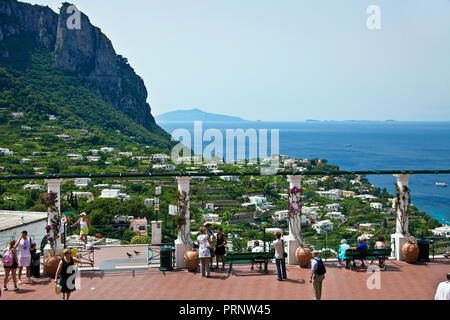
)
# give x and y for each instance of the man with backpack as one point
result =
(318, 271)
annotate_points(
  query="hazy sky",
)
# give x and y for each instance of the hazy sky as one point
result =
(285, 60)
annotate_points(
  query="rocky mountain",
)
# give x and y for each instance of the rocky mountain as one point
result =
(80, 50)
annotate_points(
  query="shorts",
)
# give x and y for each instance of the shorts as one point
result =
(84, 230)
(24, 261)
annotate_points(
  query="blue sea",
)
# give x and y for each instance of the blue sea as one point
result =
(374, 146)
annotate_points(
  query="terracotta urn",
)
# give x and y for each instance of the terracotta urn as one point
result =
(51, 265)
(191, 260)
(410, 252)
(303, 256)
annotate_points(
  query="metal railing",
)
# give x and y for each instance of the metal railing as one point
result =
(219, 174)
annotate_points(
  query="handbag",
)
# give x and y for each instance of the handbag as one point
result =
(284, 252)
(58, 289)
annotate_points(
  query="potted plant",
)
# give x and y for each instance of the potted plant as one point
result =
(303, 256)
(410, 250)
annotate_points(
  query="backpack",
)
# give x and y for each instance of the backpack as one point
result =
(320, 267)
(8, 258)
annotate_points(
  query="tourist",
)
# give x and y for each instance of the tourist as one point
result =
(341, 252)
(84, 228)
(211, 235)
(220, 248)
(280, 257)
(443, 290)
(362, 247)
(204, 252)
(380, 244)
(257, 248)
(10, 263)
(65, 273)
(24, 243)
(318, 271)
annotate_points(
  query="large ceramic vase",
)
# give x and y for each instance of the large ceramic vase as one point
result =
(303, 256)
(191, 260)
(410, 252)
(51, 265)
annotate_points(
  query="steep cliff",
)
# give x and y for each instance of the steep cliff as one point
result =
(83, 52)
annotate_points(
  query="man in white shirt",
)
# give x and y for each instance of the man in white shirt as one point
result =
(257, 248)
(443, 290)
(279, 257)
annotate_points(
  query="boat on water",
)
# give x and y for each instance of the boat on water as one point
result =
(348, 145)
(441, 184)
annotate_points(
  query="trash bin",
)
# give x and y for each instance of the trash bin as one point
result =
(165, 256)
(35, 266)
(424, 250)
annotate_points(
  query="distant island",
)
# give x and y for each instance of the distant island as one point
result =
(196, 115)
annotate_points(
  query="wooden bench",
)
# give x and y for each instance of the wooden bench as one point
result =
(248, 258)
(371, 254)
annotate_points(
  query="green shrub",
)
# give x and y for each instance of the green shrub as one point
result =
(140, 239)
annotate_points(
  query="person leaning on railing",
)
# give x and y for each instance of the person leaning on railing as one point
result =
(84, 228)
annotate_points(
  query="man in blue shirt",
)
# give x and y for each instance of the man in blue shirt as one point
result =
(362, 247)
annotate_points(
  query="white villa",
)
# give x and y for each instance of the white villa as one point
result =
(33, 187)
(82, 182)
(443, 231)
(332, 207)
(17, 114)
(366, 197)
(92, 158)
(229, 178)
(310, 182)
(323, 226)
(211, 166)
(376, 206)
(334, 215)
(348, 194)
(125, 154)
(212, 218)
(107, 149)
(367, 226)
(6, 152)
(280, 215)
(114, 194)
(64, 137)
(330, 195)
(88, 195)
(73, 156)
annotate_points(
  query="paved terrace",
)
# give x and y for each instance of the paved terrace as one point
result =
(399, 281)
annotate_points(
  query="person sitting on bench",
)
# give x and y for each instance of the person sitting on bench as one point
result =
(341, 253)
(257, 248)
(362, 248)
(380, 244)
